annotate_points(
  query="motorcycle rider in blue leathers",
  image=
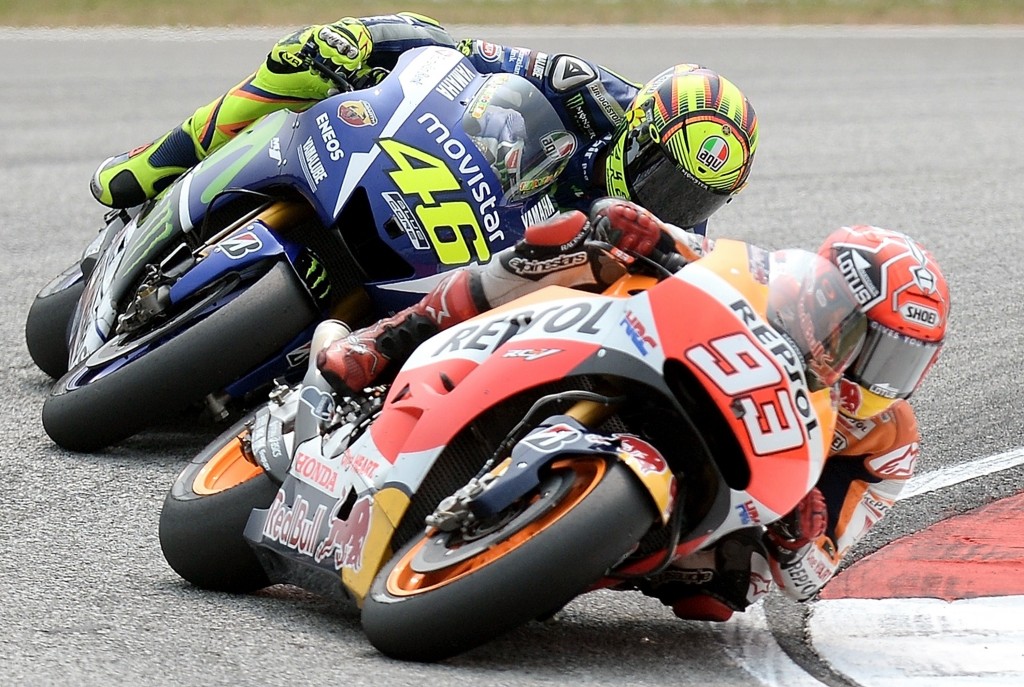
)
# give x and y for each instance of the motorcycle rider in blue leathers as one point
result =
(680, 146)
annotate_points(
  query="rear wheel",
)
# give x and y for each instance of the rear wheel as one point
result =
(49, 317)
(112, 395)
(205, 513)
(445, 593)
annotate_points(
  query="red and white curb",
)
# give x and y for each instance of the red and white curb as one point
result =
(943, 607)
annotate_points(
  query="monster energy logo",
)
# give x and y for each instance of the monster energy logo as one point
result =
(316, 279)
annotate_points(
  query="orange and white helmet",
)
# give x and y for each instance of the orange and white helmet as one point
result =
(906, 299)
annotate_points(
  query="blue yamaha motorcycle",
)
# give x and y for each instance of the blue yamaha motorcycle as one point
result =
(351, 209)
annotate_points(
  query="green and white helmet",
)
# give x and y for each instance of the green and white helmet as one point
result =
(686, 145)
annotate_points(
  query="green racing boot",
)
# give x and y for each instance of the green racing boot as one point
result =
(128, 179)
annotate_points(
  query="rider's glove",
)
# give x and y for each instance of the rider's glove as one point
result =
(799, 527)
(627, 226)
(344, 46)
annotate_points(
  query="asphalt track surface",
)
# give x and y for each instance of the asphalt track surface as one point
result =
(910, 129)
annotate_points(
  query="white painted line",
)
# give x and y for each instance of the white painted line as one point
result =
(955, 474)
(748, 640)
(922, 642)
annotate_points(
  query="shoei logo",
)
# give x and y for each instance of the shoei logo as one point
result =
(713, 152)
(919, 314)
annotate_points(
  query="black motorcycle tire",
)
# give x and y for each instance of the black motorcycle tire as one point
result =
(49, 317)
(553, 554)
(204, 516)
(205, 357)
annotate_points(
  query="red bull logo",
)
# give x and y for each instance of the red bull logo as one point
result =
(346, 538)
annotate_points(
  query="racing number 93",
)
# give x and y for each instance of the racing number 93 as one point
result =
(446, 221)
(740, 369)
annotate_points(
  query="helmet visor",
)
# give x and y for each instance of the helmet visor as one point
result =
(670, 193)
(891, 364)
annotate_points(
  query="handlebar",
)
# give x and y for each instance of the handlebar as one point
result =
(665, 264)
(673, 262)
(311, 58)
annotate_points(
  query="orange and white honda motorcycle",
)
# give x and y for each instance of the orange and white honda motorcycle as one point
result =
(565, 442)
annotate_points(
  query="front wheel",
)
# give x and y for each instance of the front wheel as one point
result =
(205, 513)
(49, 317)
(116, 392)
(445, 593)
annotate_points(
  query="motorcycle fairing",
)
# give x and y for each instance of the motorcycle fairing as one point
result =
(360, 497)
(96, 312)
(399, 160)
(244, 248)
(274, 152)
(158, 226)
(784, 428)
(525, 346)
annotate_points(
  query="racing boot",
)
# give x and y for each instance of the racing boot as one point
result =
(125, 180)
(712, 585)
(357, 361)
(282, 81)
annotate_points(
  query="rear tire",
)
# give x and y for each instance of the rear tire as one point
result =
(49, 317)
(205, 513)
(588, 514)
(203, 358)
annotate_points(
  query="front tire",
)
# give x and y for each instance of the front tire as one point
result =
(205, 513)
(203, 358)
(49, 317)
(585, 517)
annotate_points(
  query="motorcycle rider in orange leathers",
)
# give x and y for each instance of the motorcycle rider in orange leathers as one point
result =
(875, 446)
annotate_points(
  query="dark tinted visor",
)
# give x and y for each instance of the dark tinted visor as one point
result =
(670, 193)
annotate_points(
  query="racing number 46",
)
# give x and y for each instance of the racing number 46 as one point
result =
(446, 221)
